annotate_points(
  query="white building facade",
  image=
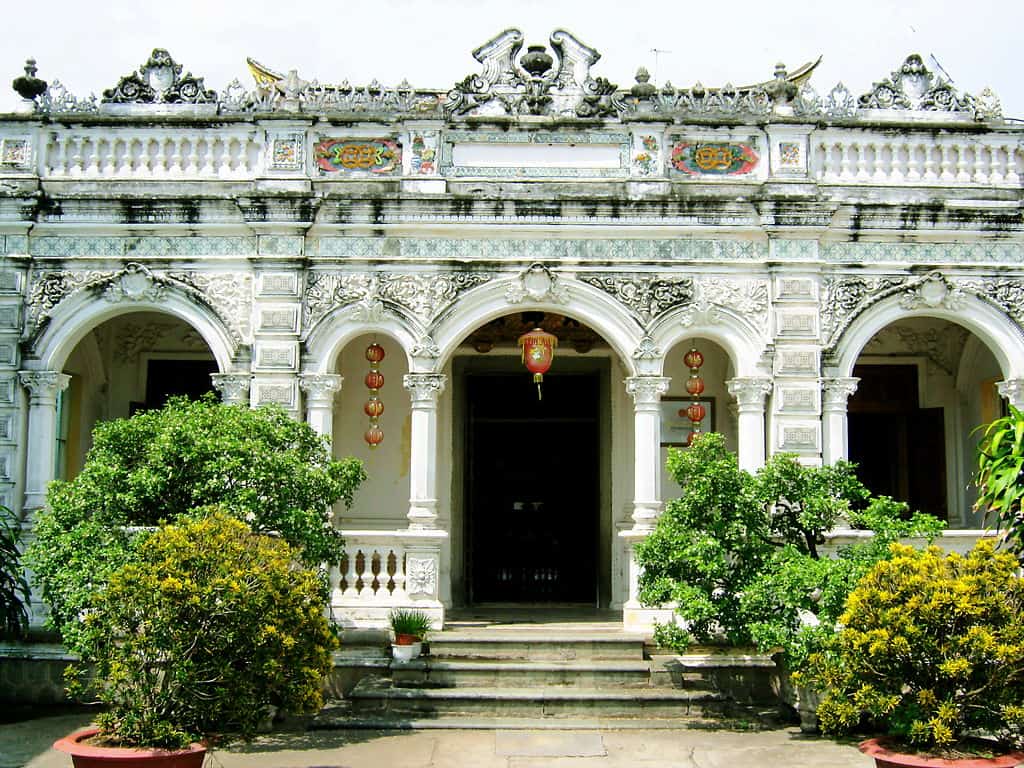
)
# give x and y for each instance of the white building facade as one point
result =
(851, 269)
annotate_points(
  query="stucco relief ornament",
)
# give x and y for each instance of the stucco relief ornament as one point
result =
(647, 296)
(538, 283)
(934, 291)
(701, 313)
(421, 576)
(536, 83)
(914, 86)
(426, 295)
(50, 288)
(135, 283)
(426, 347)
(159, 81)
(647, 349)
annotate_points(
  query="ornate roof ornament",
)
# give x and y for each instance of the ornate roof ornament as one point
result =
(28, 85)
(536, 83)
(159, 81)
(914, 86)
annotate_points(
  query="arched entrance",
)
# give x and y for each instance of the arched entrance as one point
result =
(535, 481)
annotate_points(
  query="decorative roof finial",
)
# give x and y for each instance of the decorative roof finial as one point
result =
(29, 86)
(643, 89)
(781, 90)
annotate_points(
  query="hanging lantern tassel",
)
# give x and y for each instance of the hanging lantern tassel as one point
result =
(538, 352)
(374, 407)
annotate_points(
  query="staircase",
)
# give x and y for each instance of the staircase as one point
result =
(590, 675)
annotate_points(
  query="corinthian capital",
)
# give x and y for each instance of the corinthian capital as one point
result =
(749, 391)
(233, 387)
(43, 386)
(320, 388)
(647, 389)
(837, 391)
(424, 388)
(1013, 391)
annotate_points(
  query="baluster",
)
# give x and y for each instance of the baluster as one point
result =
(820, 161)
(961, 164)
(982, 164)
(365, 572)
(844, 162)
(929, 163)
(860, 162)
(77, 161)
(349, 563)
(212, 146)
(234, 150)
(110, 164)
(98, 146)
(192, 166)
(1013, 170)
(375, 571)
(158, 155)
(946, 163)
(913, 164)
(175, 165)
(334, 579)
(399, 594)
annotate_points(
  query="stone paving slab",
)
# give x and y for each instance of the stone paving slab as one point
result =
(27, 745)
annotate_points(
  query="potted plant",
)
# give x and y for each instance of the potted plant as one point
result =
(208, 629)
(931, 651)
(410, 627)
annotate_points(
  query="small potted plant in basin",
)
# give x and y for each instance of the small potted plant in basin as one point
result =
(931, 652)
(410, 627)
(208, 630)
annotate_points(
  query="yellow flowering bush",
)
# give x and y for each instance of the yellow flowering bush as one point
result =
(931, 648)
(202, 633)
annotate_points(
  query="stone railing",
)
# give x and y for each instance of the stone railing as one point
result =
(384, 570)
(148, 154)
(855, 157)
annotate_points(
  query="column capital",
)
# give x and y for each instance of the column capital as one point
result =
(43, 386)
(233, 387)
(647, 389)
(750, 391)
(1013, 391)
(837, 391)
(424, 388)
(320, 388)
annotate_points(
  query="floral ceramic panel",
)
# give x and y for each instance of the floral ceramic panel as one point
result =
(376, 156)
(701, 158)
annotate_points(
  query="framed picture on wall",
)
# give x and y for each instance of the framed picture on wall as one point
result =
(676, 425)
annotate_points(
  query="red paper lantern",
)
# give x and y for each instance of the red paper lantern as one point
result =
(375, 353)
(373, 408)
(695, 385)
(696, 412)
(538, 352)
(693, 359)
(374, 380)
(374, 435)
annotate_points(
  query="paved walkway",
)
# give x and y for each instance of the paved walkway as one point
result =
(28, 743)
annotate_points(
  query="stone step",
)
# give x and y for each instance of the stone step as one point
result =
(430, 672)
(373, 699)
(514, 644)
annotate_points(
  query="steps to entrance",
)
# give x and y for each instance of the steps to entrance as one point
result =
(536, 675)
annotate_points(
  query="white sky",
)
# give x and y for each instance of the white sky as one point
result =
(89, 44)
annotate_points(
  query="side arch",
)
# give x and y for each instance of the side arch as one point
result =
(81, 312)
(999, 333)
(330, 334)
(744, 345)
(484, 303)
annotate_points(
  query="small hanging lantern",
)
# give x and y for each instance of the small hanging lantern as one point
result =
(538, 352)
(695, 411)
(374, 407)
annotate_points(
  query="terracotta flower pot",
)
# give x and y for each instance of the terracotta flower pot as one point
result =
(887, 755)
(87, 756)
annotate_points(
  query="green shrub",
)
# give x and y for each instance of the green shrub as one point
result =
(207, 628)
(931, 648)
(260, 466)
(14, 592)
(1001, 477)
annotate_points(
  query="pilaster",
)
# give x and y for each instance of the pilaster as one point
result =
(836, 393)
(43, 388)
(750, 393)
(646, 392)
(320, 389)
(424, 390)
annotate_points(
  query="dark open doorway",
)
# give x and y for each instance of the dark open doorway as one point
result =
(532, 487)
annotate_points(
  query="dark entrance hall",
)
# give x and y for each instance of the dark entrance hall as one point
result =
(532, 492)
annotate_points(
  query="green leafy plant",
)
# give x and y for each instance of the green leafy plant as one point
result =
(407, 621)
(14, 590)
(728, 528)
(260, 466)
(205, 630)
(1001, 477)
(931, 649)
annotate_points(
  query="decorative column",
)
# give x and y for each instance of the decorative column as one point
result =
(233, 387)
(646, 392)
(835, 393)
(750, 392)
(43, 388)
(320, 389)
(1013, 391)
(424, 389)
